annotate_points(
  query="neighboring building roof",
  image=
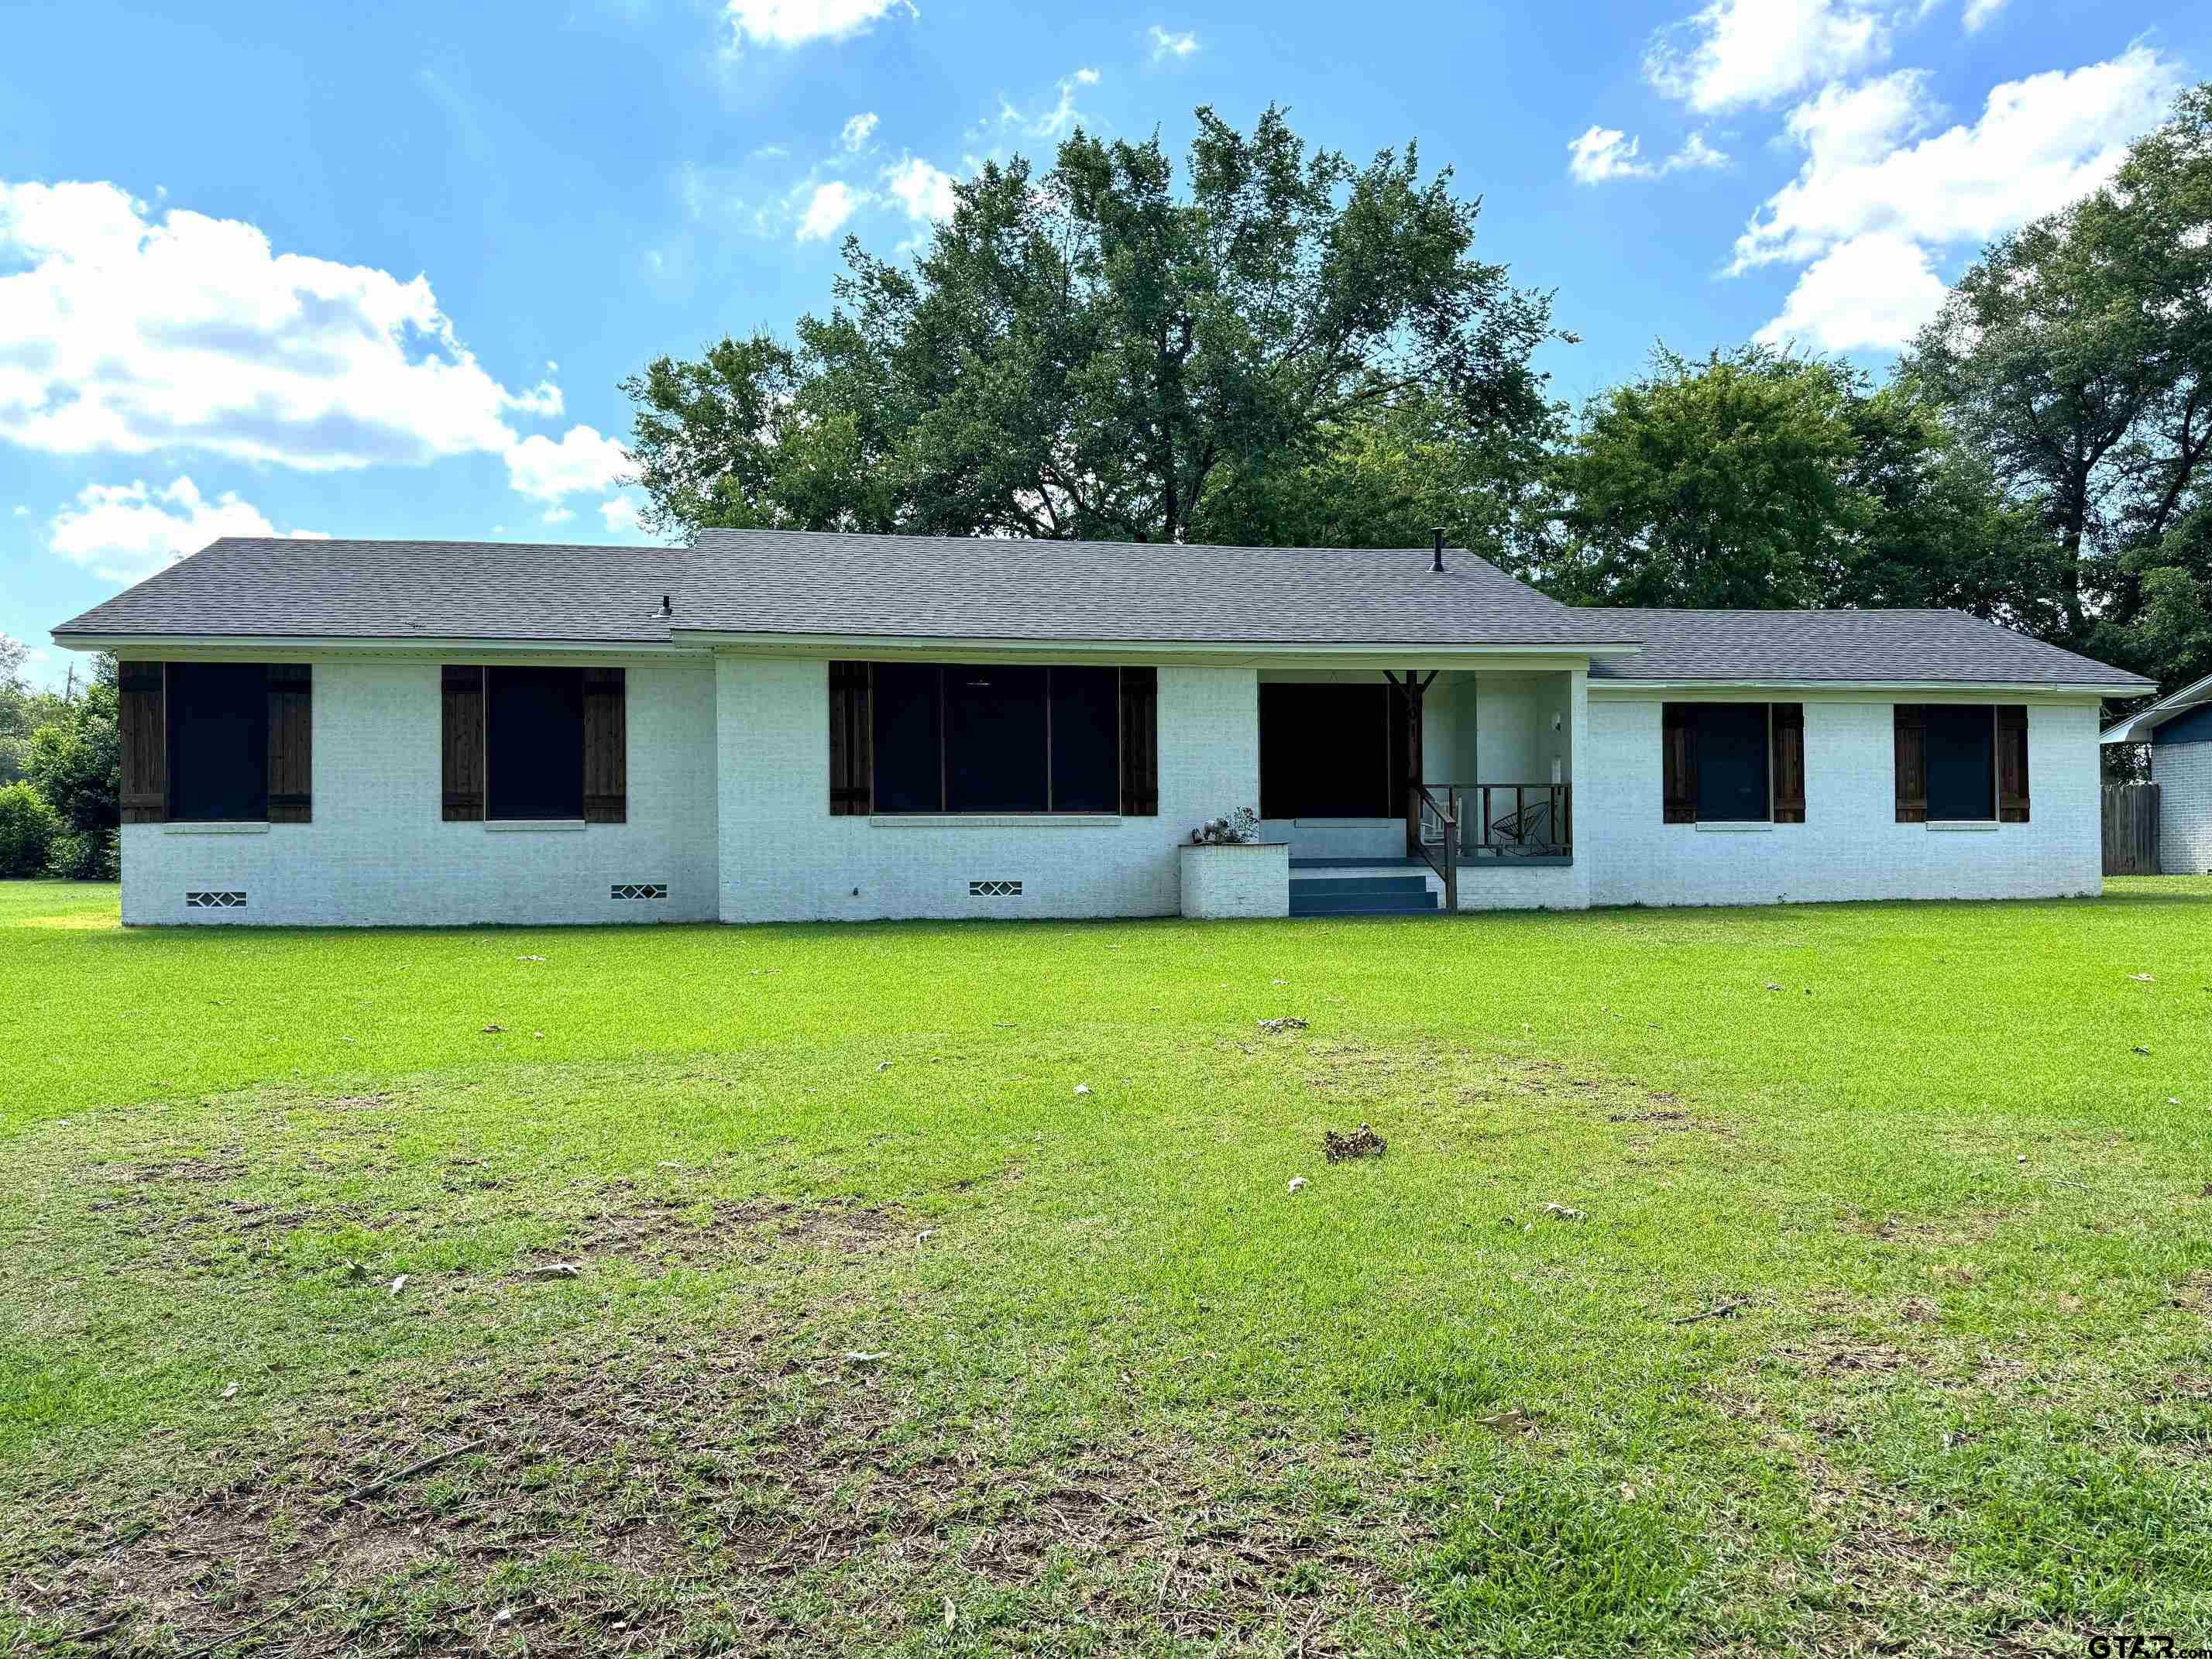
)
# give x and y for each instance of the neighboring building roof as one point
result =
(1907, 647)
(2139, 726)
(793, 584)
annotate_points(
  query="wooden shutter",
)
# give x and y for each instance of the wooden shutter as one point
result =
(606, 745)
(1786, 726)
(852, 742)
(1140, 742)
(1911, 740)
(291, 743)
(2012, 763)
(1678, 763)
(461, 745)
(142, 714)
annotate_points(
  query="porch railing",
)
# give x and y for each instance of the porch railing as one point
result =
(1495, 821)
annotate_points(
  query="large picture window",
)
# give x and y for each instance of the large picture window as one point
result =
(1734, 763)
(534, 742)
(955, 738)
(218, 742)
(1332, 750)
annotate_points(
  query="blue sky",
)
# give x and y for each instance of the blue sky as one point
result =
(376, 270)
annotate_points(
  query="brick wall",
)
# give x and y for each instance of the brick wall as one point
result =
(1851, 845)
(2184, 772)
(378, 851)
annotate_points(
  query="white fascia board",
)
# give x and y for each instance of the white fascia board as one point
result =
(1922, 690)
(178, 647)
(882, 647)
(2138, 726)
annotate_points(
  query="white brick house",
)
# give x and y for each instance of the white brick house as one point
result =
(773, 726)
(2179, 731)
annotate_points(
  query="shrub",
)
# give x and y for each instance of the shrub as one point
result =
(85, 855)
(28, 828)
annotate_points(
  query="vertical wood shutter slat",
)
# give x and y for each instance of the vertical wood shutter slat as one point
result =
(1911, 723)
(1140, 742)
(143, 728)
(1678, 764)
(2012, 763)
(852, 755)
(1788, 723)
(462, 744)
(291, 743)
(606, 745)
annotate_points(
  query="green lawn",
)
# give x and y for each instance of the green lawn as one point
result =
(1828, 1280)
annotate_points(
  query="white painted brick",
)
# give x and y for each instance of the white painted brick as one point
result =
(785, 859)
(1246, 879)
(1851, 845)
(2183, 775)
(379, 853)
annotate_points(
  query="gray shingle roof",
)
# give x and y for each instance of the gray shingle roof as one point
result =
(1871, 646)
(789, 582)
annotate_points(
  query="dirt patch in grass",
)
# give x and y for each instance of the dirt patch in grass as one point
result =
(743, 1496)
(711, 1232)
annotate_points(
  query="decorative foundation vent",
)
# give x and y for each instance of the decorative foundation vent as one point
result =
(639, 890)
(214, 900)
(994, 889)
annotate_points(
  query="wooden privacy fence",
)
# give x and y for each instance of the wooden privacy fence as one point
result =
(2130, 828)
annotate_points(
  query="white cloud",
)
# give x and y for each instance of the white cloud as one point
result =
(2040, 143)
(925, 191)
(620, 513)
(795, 22)
(1063, 115)
(1871, 293)
(827, 209)
(1167, 44)
(1696, 155)
(1979, 12)
(1753, 52)
(558, 514)
(125, 532)
(1604, 153)
(130, 330)
(584, 459)
(858, 130)
(1875, 199)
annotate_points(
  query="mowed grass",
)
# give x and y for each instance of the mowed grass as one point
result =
(1826, 1279)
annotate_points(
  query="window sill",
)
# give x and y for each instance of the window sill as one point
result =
(994, 820)
(529, 826)
(214, 828)
(1970, 825)
(1726, 828)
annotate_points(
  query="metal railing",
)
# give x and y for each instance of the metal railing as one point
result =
(1496, 820)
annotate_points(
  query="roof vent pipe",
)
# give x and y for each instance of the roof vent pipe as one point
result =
(1436, 566)
(667, 608)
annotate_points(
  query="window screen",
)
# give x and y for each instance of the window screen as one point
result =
(1331, 751)
(1732, 761)
(908, 738)
(1086, 740)
(1961, 760)
(994, 740)
(534, 742)
(218, 742)
(963, 738)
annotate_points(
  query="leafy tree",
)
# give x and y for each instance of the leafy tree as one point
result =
(28, 827)
(2076, 353)
(1093, 351)
(22, 710)
(75, 764)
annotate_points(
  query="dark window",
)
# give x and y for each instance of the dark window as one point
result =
(218, 742)
(960, 738)
(1086, 739)
(996, 757)
(1332, 751)
(1962, 762)
(909, 737)
(534, 742)
(1732, 750)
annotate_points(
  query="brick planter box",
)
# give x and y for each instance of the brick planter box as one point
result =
(1252, 878)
